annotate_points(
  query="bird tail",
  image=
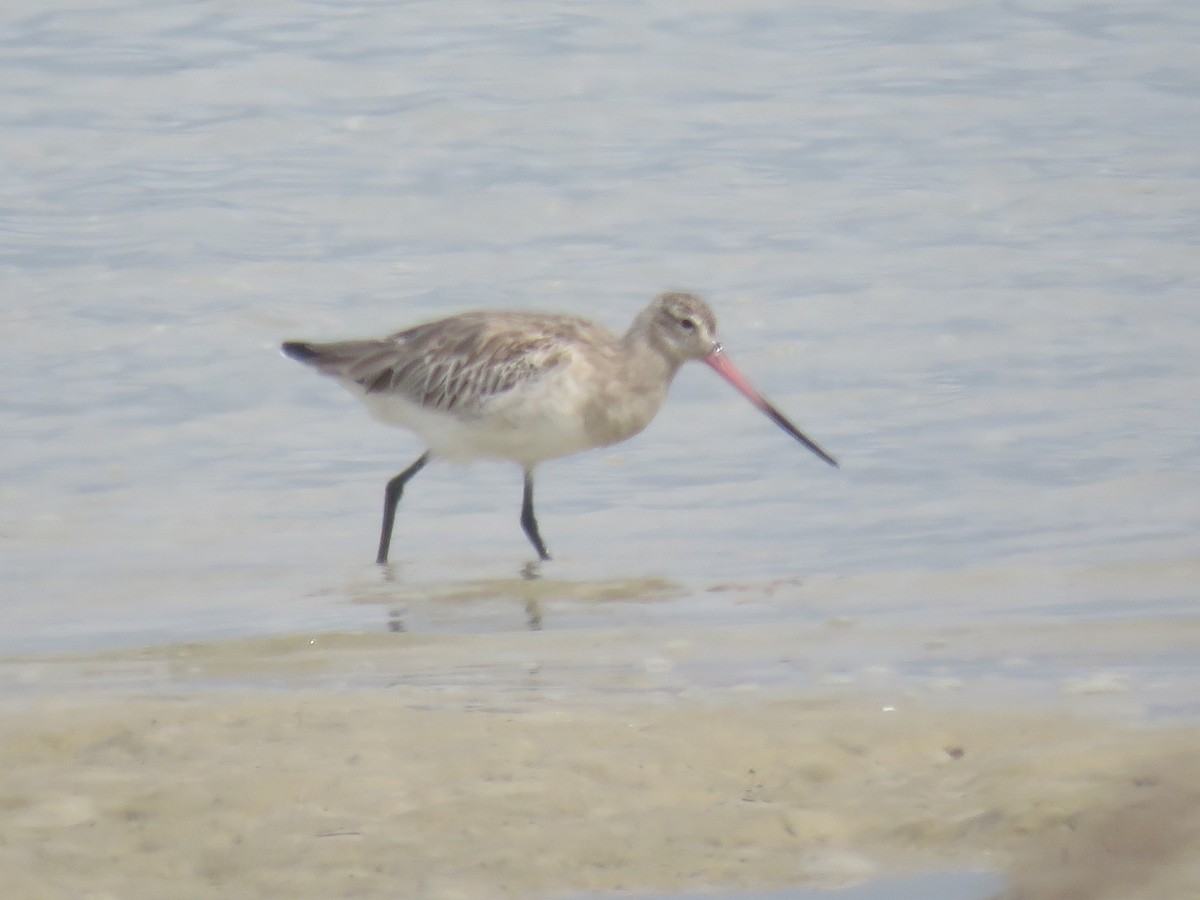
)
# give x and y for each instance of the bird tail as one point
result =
(301, 350)
(366, 363)
(339, 358)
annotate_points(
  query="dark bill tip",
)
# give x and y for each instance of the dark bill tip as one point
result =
(719, 363)
(781, 420)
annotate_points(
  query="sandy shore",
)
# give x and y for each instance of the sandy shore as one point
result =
(203, 789)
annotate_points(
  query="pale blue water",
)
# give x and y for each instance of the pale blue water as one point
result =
(955, 242)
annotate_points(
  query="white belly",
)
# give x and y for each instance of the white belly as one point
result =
(519, 426)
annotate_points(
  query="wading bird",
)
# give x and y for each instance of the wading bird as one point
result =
(527, 387)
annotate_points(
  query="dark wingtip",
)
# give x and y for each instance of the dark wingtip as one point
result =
(298, 350)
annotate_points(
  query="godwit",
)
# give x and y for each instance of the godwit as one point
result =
(527, 387)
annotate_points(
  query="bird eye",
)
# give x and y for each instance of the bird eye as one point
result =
(687, 324)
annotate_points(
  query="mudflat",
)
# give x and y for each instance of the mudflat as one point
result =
(294, 787)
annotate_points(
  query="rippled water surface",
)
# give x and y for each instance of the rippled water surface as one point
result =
(956, 242)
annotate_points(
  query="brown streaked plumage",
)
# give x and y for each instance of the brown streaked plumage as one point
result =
(526, 387)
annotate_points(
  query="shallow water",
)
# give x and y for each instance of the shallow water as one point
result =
(956, 243)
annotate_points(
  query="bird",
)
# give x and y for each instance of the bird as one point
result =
(527, 387)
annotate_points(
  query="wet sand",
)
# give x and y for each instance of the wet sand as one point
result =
(321, 768)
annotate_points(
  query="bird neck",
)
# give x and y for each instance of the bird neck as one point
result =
(646, 351)
(627, 399)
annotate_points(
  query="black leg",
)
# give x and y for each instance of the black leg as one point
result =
(528, 522)
(391, 499)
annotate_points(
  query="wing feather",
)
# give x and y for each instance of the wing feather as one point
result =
(457, 363)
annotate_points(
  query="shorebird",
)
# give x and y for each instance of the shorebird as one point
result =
(527, 387)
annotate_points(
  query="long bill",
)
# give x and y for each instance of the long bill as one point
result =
(719, 363)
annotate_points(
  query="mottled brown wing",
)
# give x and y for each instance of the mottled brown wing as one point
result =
(458, 363)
